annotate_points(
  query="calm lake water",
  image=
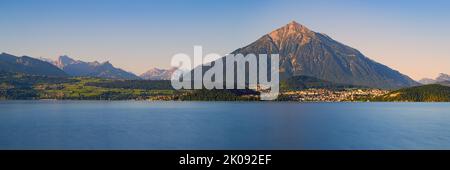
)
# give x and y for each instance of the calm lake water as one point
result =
(222, 125)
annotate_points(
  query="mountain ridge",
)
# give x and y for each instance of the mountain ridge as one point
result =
(158, 74)
(442, 78)
(28, 65)
(95, 69)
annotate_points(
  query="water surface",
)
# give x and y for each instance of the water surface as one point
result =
(222, 125)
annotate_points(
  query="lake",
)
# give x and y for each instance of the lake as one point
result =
(222, 125)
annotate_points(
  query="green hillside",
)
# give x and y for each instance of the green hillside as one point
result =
(425, 93)
(306, 82)
(15, 86)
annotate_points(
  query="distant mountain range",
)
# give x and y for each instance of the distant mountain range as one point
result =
(93, 69)
(66, 66)
(158, 74)
(28, 65)
(307, 53)
(442, 78)
(302, 53)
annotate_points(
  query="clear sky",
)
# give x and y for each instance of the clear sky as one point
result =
(410, 36)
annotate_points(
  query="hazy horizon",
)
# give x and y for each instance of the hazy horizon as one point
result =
(408, 36)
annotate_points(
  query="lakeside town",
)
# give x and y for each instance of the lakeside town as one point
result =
(330, 95)
(308, 95)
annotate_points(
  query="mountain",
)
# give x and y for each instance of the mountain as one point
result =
(305, 82)
(427, 81)
(305, 52)
(28, 65)
(444, 83)
(158, 74)
(442, 78)
(425, 93)
(93, 69)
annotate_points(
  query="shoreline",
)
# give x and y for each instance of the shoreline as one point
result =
(249, 101)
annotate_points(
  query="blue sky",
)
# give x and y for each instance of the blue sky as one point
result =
(411, 36)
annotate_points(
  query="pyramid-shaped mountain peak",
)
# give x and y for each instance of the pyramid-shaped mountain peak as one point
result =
(294, 24)
(292, 32)
(293, 27)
